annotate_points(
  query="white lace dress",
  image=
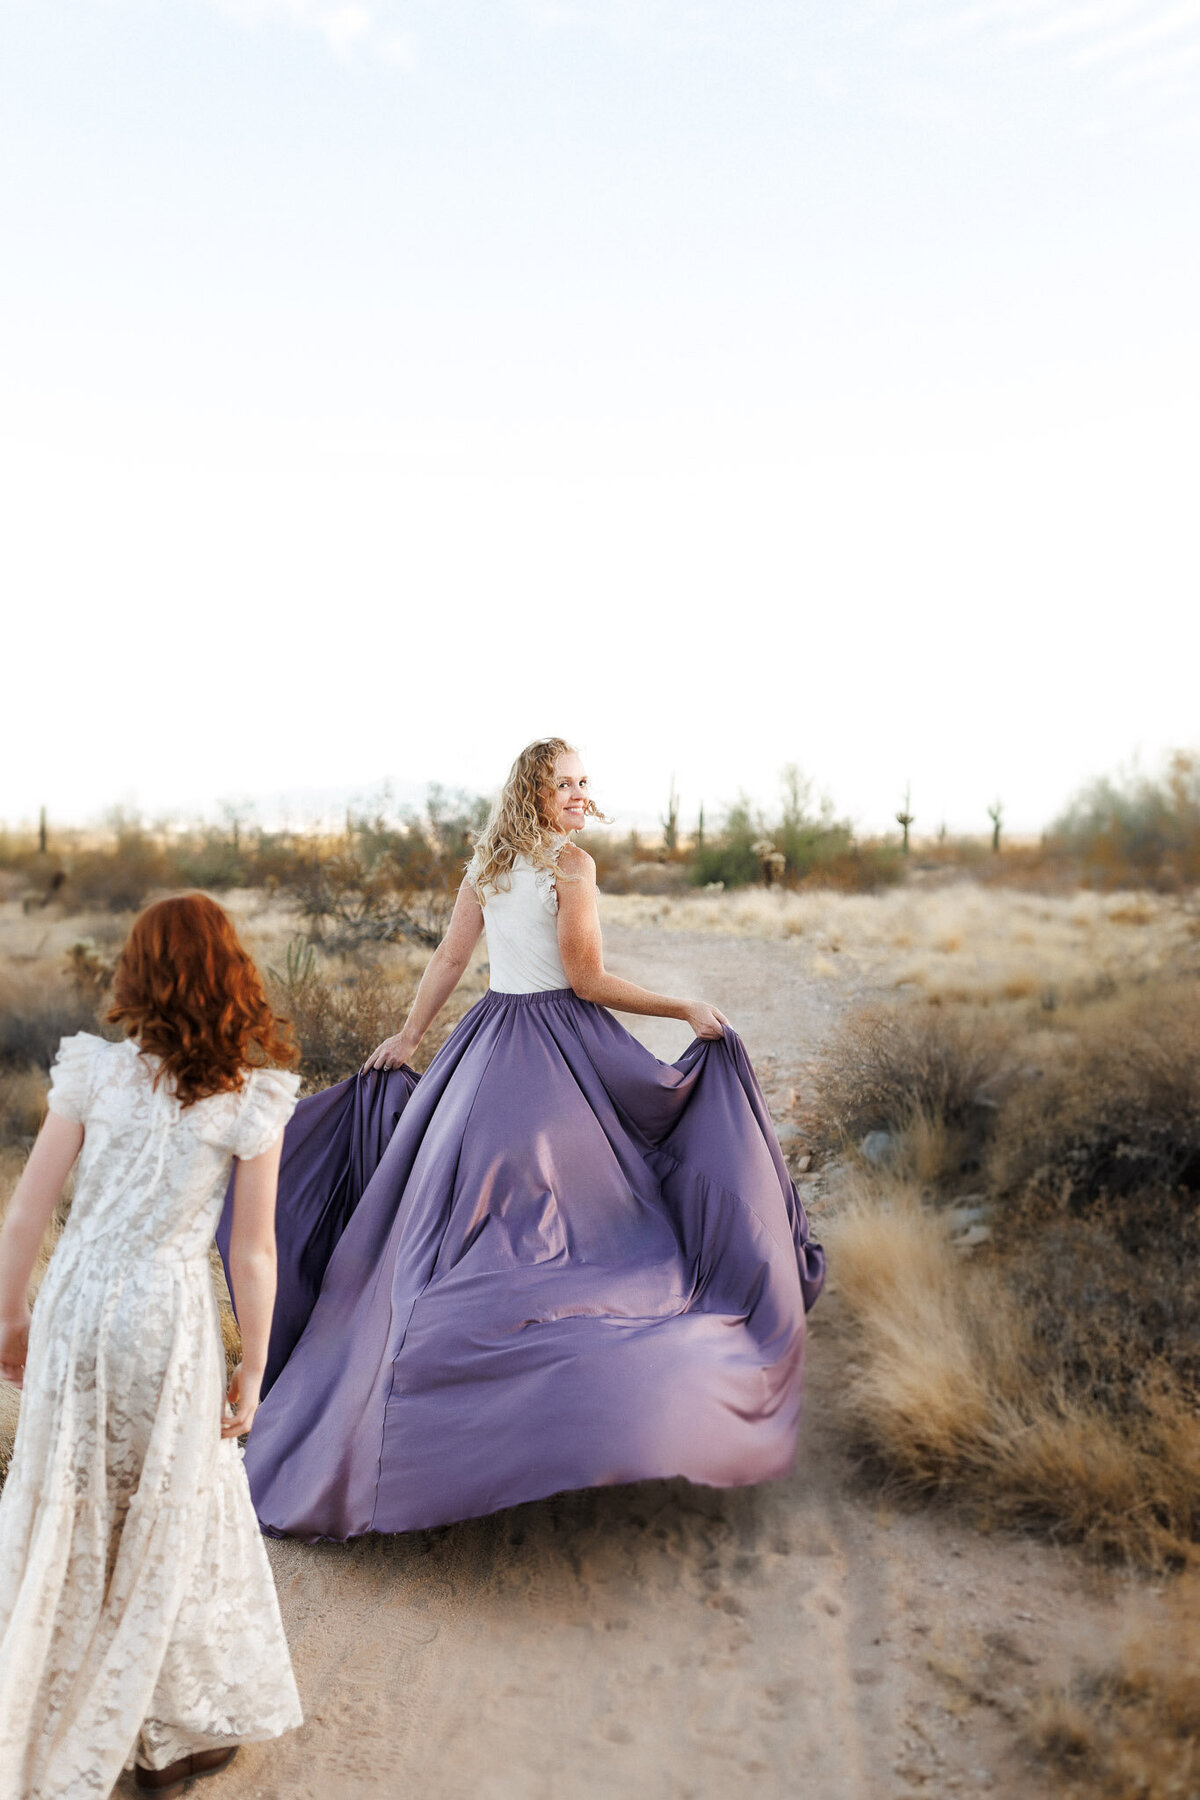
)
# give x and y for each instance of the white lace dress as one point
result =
(137, 1610)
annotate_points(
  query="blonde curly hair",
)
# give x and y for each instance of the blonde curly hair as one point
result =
(518, 824)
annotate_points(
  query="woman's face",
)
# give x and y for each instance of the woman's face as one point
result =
(568, 802)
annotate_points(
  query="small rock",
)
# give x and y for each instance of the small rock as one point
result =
(976, 1234)
(961, 1218)
(801, 1163)
(878, 1146)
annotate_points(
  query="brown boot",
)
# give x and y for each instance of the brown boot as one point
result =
(166, 1781)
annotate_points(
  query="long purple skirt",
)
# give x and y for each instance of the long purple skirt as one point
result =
(550, 1262)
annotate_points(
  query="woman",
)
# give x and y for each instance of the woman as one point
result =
(138, 1619)
(552, 1262)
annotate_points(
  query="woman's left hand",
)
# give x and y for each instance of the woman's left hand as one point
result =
(14, 1347)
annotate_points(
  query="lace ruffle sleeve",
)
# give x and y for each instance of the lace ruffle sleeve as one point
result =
(546, 880)
(269, 1102)
(71, 1076)
(472, 874)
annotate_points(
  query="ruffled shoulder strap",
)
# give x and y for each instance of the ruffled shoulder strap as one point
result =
(72, 1076)
(247, 1122)
(268, 1102)
(545, 880)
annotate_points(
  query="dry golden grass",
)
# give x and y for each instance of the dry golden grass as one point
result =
(920, 1387)
(1052, 1380)
(948, 1392)
(952, 942)
(1129, 1728)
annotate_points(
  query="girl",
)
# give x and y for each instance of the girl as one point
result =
(551, 1263)
(138, 1618)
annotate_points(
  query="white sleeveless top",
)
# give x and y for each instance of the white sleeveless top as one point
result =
(521, 924)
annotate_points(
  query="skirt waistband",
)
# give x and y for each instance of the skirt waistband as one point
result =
(534, 999)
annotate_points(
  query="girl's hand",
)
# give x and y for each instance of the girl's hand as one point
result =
(705, 1020)
(14, 1346)
(392, 1052)
(242, 1401)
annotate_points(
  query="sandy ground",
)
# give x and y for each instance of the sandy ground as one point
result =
(671, 1642)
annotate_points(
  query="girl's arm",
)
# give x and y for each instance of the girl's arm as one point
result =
(582, 951)
(34, 1198)
(443, 972)
(252, 1278)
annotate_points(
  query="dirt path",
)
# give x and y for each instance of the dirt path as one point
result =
(676, 1643)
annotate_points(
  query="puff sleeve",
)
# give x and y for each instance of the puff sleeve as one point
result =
(71, 1076)
(268, 1104)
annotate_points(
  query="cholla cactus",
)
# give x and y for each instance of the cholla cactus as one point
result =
(771, 861)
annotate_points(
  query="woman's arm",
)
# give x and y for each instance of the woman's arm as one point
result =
(58, 1144)
(252, 1278)
(443, 972)
(582, 950)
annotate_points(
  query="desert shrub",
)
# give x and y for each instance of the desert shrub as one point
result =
(408, 851)
(385, 883)
(336, 1021)
(1052, 1380)
(1128, 1728)
(340, 1016)
(728, 855)
(891, 1065)
(1097, 1164)
(856, 869)
(805, 846)
(39, 1006)
(1118, 1112)
(119, 876)
(1135, 827)
(22, 1104)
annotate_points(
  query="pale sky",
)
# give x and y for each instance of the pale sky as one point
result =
(719, 385)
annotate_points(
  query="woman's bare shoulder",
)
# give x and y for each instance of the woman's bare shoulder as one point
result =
(573, 859)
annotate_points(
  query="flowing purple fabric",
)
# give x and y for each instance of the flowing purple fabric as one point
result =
(550, 1262)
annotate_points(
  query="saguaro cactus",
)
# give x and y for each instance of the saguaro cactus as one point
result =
(670, 824)
(42, 832)
(995, 814)
(700, 828)
(904, 817)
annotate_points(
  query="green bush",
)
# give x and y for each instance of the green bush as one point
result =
(1138, 828)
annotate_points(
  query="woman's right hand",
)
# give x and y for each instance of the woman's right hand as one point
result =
(14, 1347)
(705, 1020)
(392, 1052)
(241, 1404)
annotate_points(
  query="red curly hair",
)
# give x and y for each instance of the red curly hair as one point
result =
(187, 991)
